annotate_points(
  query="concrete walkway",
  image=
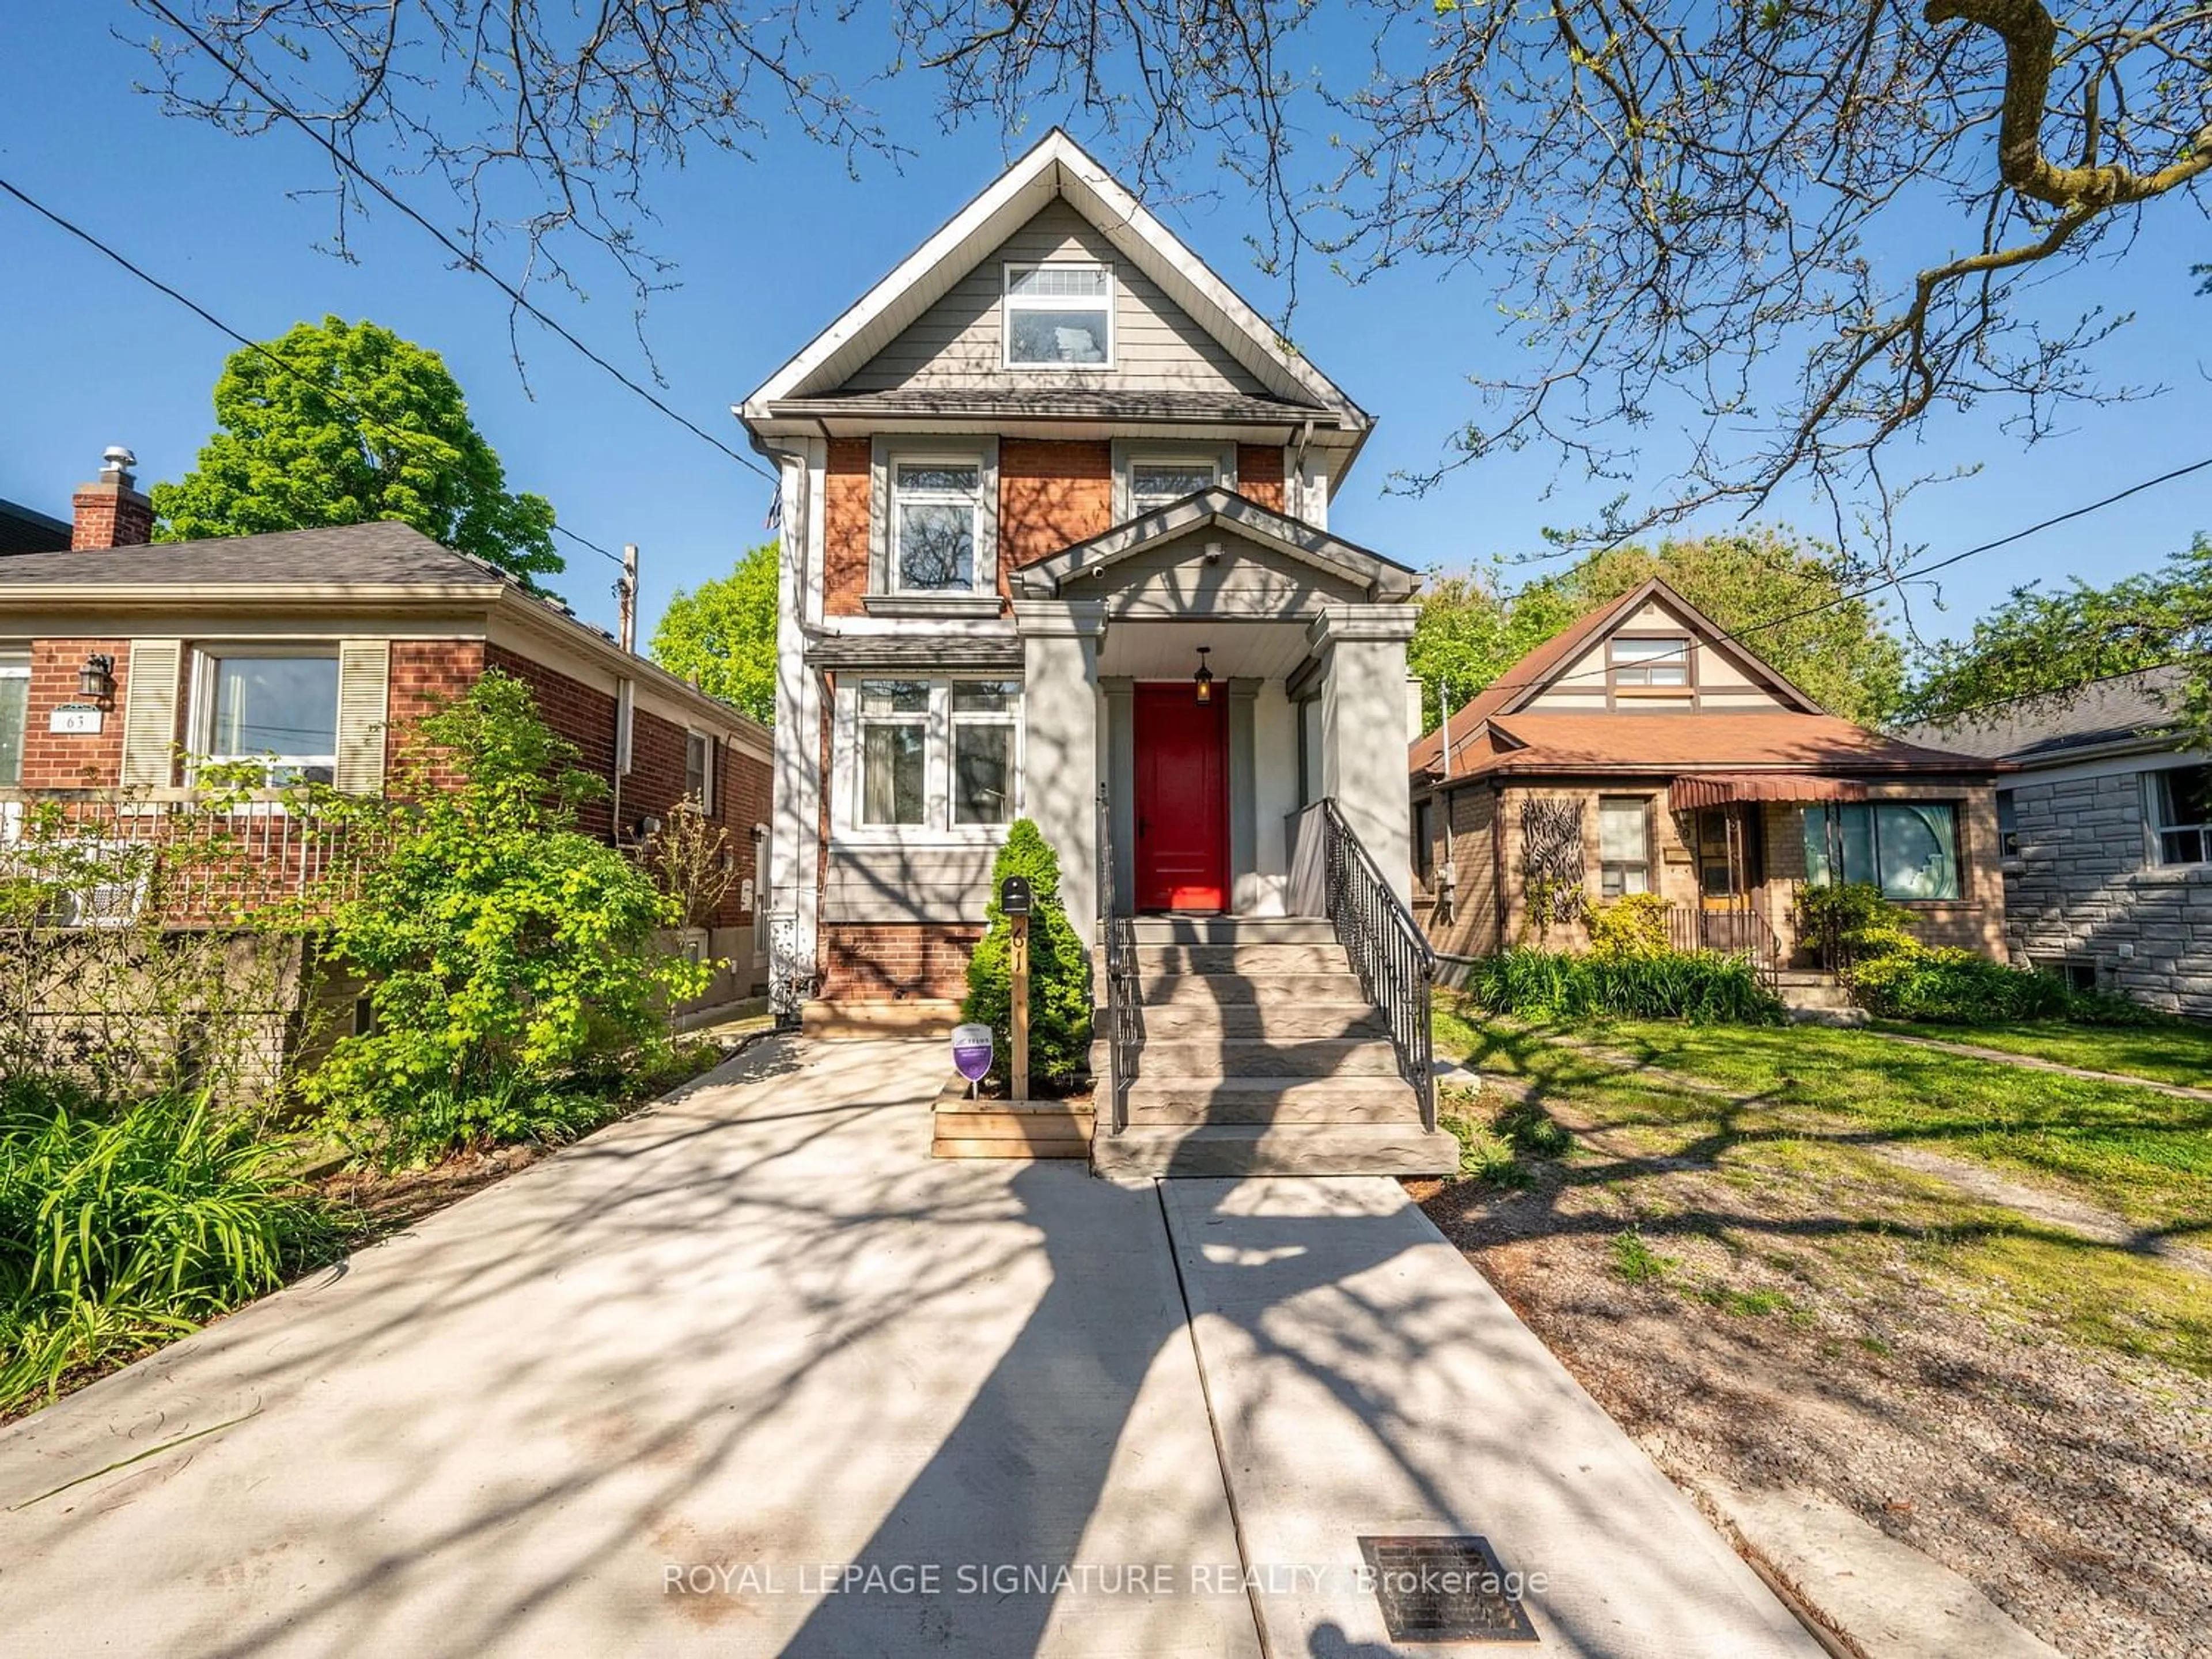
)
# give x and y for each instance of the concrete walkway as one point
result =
(751, 1374)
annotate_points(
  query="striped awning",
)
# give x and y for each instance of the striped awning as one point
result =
(1726, 788)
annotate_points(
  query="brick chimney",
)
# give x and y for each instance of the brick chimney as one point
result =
(111, 512)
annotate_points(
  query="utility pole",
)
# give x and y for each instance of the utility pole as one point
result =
(626, 599)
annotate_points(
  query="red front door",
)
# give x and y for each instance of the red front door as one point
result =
(1183, 799)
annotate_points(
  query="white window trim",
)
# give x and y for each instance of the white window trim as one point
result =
(893, 582)
(706, 795)
(199, 721)
(2156, 829)
(1010, 302)
(887, 456)
(15, 664)
(937, 828)
(1130, 454)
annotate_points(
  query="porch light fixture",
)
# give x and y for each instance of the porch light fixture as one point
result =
(95, 681)
(1204, 678)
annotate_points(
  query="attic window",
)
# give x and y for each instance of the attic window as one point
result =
(1649, 663)
(1060, 317)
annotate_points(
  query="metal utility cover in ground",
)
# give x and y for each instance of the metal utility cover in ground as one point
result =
(1444, 1589)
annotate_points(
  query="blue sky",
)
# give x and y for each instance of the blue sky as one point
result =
(769, 251)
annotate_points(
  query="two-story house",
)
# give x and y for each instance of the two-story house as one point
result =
(1055, 507)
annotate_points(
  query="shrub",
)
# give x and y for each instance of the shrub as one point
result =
(1891, 974)
(1633, 925)
(121, 1229)
(1060, 967)
(508, 957)
(1703, 987)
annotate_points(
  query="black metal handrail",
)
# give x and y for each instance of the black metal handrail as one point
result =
(1736, 932)
(1118, 939)
(1395, 966)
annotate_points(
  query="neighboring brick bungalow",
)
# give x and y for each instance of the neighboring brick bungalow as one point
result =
(1643, 751)
(309, 651)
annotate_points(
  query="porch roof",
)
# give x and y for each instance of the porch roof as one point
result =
(1386, 580)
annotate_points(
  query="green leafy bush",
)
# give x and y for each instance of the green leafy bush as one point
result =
(1703, 987)
(1060, 967)
(1892, 973)
(121, 1229)
(1633, 925)
(507, 954)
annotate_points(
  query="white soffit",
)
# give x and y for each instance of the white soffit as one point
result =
(1056, 166)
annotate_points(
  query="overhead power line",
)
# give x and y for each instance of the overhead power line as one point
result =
(255, 346)
(469, 260)
(1898, 578)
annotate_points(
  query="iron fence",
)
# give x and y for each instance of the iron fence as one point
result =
(1118, 937)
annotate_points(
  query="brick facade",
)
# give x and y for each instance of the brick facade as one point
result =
(2085, 891)
(845, 491)
(884, 962)
(1488, 844)
(1051, 495)
(88, 760)
(1259, 475)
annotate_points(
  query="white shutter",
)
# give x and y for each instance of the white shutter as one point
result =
(149, 714)
(364, 674)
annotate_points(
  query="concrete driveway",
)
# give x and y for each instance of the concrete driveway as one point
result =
(751, 1374)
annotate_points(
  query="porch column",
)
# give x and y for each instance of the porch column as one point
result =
(791, 905)
(1061, 709)
(1362, 653)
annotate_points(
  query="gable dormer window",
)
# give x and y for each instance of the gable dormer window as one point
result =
(1648, 664)
(1150, 474)
(1058, 316)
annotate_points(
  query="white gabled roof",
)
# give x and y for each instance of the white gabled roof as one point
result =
(1056, 167)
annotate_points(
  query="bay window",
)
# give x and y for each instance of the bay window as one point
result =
(2181, 814)
(1058, 316)
(933, 755)
(1908, 848)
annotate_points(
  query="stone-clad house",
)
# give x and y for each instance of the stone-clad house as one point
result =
(1644, 750)
(309, 652)
(1055, 504)
(2106, 821)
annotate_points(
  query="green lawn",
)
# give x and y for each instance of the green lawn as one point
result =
(2147, 1155)
(2180, 1052)
(1792, 1123)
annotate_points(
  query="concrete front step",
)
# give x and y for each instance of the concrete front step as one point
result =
(1289, 1149)
(1242, 960)
(1220, 1056)
(1232, 930)
(1154, 1097)
(1172, 989)
(1278, 1020)
(1224, 1100)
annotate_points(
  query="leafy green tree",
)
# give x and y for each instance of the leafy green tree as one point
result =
(2047, 643)
(1470, 631)
(350, 425)
(722, 637)
(1060, 967)
(1790, 601)
(509, 957)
